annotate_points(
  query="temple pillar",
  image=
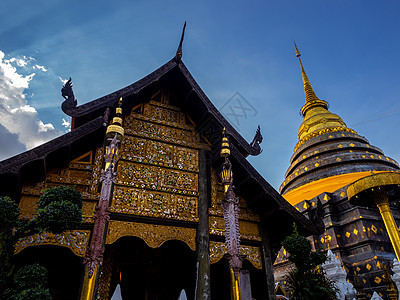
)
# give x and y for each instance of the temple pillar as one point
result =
(382, 201)
(267, 263)
(89, 283)
(230, 206)
(94, 255)
(235, 286)
(203, 290)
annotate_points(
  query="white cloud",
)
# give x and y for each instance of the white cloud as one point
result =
(16, 115)
(10, 75)
(67, 125)
(40, 68)
(62, 80)
(25, 108)
(22, 63)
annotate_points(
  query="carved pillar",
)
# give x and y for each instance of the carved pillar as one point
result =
(230, 206)
(382, 202)
(377, 186)
(267, 262)
(94, 255)
(203, 291)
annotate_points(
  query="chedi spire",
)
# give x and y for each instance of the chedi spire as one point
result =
(311, 98)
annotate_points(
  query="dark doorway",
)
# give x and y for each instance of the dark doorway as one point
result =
(220, 281)
(154, 274)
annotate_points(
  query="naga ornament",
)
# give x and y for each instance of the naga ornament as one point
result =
(257, 140)
(68, 95)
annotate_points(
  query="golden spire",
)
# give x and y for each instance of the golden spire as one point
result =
(226, 174)
(311, 98)
(317, 118)
(225, 151)
(116, 126)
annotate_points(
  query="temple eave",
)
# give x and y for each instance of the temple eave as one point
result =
(325, 185)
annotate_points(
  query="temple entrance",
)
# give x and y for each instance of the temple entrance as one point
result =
(220, 281)
(153, 274)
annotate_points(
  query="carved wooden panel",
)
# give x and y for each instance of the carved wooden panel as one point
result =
(157, 178)
(174, 135)
(158, 166)
(158, 153)
(153, 235)
(164, 114)
(27, 206)
(88, 211)
(154, 204)
(248, 230)
(77, 241)
(98, 161)
(253, 254)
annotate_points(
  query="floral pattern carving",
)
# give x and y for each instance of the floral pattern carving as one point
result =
(77, 241)
(158, 153)
(154, 204)
(153, 235)
(163, 133)
(157, 178)
(251, 253)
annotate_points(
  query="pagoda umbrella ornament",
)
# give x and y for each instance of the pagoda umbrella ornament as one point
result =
(377, 190)
(230, 206)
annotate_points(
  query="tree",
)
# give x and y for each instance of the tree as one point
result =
(9, 213)
(307, 280)
(30, 284)
(59, 209)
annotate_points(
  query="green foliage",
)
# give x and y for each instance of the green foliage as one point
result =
(30, 276)
(59, 209)
(307, 281)
(6, 253)
(9, 213)
(300, 252)
(59, 216)
(30, 283)
(58, 194)
(32, 294)
(310, 285)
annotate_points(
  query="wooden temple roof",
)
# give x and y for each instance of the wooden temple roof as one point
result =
(88, 121)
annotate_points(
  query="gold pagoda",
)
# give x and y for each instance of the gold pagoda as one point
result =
(341, 182)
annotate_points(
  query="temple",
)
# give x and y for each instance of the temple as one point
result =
(172, 207)
(171, 204)
(340, 181)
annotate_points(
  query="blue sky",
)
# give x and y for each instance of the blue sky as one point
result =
(350, 50)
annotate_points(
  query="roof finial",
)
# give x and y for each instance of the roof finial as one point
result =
(225, 151)
(179, 51)
(303, 72)
(311, 97)
(297, 50)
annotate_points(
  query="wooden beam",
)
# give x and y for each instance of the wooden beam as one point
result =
(203, 290)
